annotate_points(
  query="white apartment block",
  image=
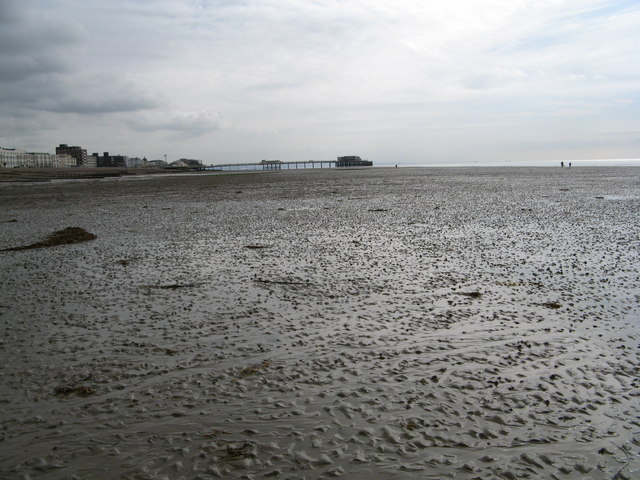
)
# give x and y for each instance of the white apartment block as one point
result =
(14, 157)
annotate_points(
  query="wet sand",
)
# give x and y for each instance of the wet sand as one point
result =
(25, 174)
(380, 323)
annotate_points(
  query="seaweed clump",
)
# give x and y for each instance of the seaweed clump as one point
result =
(66, 236)
(471, 294)
(255, 368)
(71, 389)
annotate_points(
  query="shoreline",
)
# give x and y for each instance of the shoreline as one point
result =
(36, 175)
(25, 174)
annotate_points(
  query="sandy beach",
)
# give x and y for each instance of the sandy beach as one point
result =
(25, 174)
(412, 323)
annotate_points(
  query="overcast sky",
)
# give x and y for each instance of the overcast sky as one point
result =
(394, 81)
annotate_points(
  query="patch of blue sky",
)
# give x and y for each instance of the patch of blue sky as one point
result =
(557, 31)
(606, 9)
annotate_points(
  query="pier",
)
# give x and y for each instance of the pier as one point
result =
(350, 161)
(273, 165)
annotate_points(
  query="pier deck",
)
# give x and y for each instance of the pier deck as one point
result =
(280, 165)
(273, 165)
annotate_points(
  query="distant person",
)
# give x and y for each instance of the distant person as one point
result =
(562, 164)
(569, 164)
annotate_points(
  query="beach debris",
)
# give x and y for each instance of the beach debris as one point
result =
(246, 450)
(172, 286)
(520, 284)
(66, 236)
(215, 432)
(470, 294)
(600, 197)
(126, 261)
(255, 368)
(433, 378)
(282, 282)
(554, 305)
(77, 389)
(378, 210)
(410, 426)
(257, 247)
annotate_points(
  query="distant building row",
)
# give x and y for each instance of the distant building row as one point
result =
(75, 156)
(122, 161)
(14, 157)
(68, 156)
(96, 160)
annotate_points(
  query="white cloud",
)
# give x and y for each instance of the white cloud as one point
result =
(190, 123)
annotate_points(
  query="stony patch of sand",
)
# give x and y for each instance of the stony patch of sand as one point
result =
(400, 323)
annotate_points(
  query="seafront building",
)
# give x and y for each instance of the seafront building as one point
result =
(135, 162)
(106, 160)
(15, 157)
(157, 163)
(79, 153)
(119, 161)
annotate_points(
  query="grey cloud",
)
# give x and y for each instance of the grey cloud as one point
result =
(100, 105)
(76, 94)
(9, 12)
(27, 93)
(91, 96)
(32, 46)
(42, 58)
(18, 124)
(20, 68)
